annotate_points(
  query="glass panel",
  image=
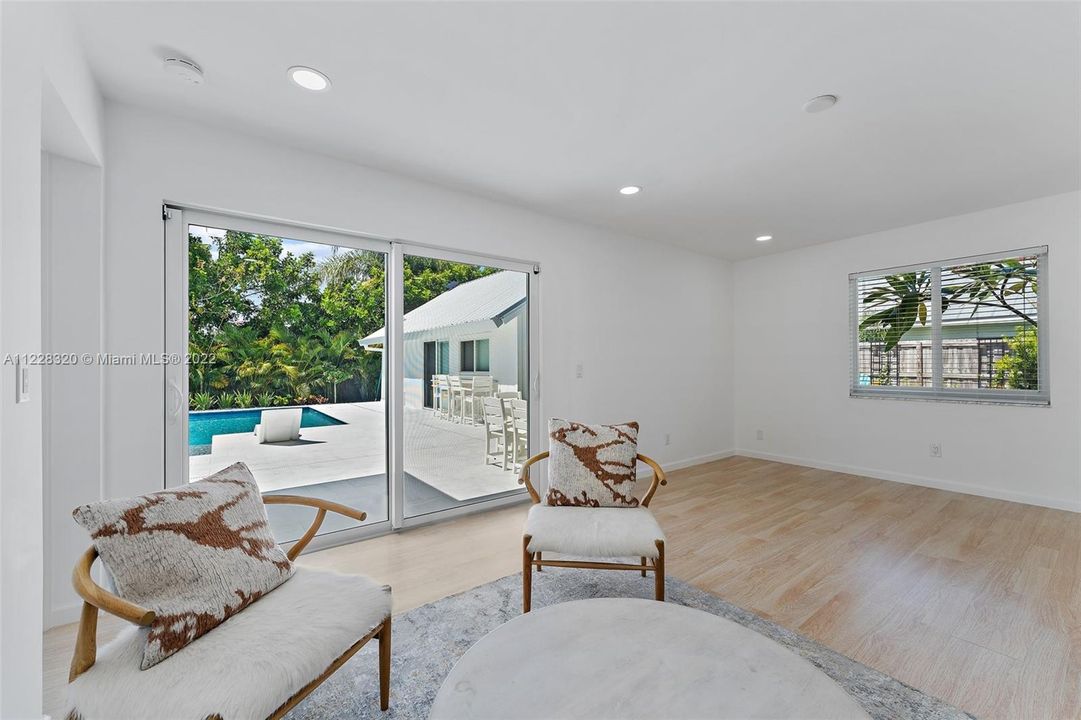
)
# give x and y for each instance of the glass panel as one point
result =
(894, 313)
(482, 364)
(444, 358)
(280, 378)
(469, 446)
(986, 344)
(989, 321)
(467, 356)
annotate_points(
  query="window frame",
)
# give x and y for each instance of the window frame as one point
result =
(472, 342)
(442, 357)
(938, 393)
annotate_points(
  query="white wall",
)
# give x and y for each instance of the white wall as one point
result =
(636, 314)
(502, 354)
(71, 394)
(47, 98)
(503, 348)
(20, 331)
(792, 365)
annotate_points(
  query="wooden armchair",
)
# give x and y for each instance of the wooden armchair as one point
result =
(573, 531)
(97, 598)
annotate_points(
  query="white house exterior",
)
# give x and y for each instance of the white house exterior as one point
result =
(477, 328)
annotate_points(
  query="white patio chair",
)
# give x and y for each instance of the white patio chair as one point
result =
(278, 425)
(444, 397)
(509, 395)
(519, 431)
(437, 396)
(455, 393)
(481, 387)
(495, 428)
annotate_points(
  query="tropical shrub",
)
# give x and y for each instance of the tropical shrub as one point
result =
(265, 399)
(1019, 368)
(202, 401)
(242, 399)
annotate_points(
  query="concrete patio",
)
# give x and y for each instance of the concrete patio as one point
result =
(446, 456)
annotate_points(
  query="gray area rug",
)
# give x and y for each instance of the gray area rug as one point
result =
(428, 641)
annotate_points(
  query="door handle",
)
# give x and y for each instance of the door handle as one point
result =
(176, 397)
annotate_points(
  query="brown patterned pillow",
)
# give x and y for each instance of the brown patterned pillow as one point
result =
(195, 555)
(592, 465)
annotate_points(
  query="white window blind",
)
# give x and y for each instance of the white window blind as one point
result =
(968, 329)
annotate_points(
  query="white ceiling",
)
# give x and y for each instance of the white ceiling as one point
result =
(945, 108)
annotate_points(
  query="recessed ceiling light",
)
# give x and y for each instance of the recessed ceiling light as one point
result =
(630, 190)
(183, 69)
(764, 238)
(308, 78)
(820, 103)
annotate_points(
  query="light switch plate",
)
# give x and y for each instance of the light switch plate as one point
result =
(22, 383)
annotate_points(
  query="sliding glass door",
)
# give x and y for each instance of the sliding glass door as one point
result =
(275, 378)
(465, 381)
(389, 378)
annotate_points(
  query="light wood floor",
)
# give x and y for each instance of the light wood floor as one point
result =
(974, 600)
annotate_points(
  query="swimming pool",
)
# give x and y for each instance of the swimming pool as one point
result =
(205, 424)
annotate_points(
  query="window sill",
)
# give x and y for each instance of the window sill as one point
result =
(1035, 401)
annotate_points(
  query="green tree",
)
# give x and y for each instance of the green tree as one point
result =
(1019, 368)
(904, 299)
(278, 324)
(1008, 284)
(351, 266)
(340, 355)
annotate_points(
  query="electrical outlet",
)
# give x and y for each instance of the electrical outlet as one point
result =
(578, 371)
(760, 435)
(936, 450)
(667, 439)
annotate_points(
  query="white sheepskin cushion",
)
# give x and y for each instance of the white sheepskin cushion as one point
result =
(593, 532)
(245, 668)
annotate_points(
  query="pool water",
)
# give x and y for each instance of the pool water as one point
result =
(204, 425)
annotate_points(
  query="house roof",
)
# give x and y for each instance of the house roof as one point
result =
(492, 297)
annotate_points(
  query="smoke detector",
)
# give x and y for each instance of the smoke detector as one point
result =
(820, 103)
(184, 69)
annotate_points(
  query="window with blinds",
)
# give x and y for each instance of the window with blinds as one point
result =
(970, 329)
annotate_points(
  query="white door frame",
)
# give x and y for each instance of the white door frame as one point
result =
(176, 219)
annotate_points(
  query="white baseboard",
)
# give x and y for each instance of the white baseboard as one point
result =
(63, 615)
(645, 475)
(950, 485)
(699, 460)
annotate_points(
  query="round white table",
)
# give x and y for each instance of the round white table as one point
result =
(629, 658)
